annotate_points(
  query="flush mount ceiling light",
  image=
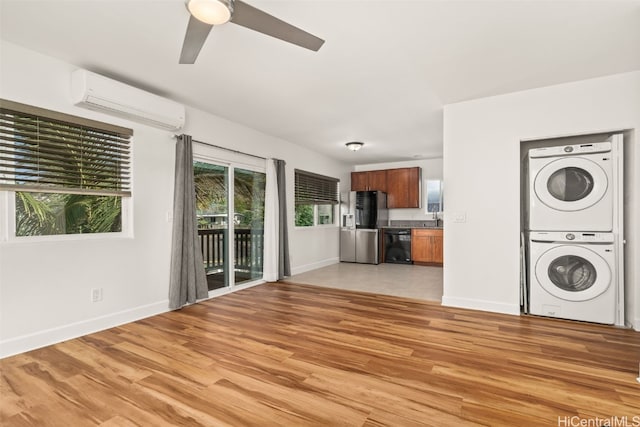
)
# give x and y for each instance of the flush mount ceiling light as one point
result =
(354, 146)
(212, 12)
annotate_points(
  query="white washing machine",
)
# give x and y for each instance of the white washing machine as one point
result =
(571, 188)
(572, 276)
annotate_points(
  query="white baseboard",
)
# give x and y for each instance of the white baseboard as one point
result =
(475, 304)
(51, 336)
(308, 267)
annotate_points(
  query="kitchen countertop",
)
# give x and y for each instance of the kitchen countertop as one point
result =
(424, 227)
(416, 223)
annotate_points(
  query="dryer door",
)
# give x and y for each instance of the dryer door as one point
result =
(573, 273)
(571, 184)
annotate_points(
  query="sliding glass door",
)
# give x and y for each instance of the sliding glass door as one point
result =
(212, 210)
(230, 211)
(249, 226)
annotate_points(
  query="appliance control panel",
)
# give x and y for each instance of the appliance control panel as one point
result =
(567, 150)
(571, 236)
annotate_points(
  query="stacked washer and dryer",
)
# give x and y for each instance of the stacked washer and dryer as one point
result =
(575, 260)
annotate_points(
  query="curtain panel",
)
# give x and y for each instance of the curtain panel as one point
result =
(276, 238)
(284, 265)
(188, 279)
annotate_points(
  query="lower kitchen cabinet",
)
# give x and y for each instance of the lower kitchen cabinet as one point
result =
(427, 246)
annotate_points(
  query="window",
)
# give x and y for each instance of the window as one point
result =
(68, 174)
(325, 214)
(316, 197)
(435, 201)
(304, 215)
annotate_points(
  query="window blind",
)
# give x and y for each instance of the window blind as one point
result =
(314, 189)
(47, 151)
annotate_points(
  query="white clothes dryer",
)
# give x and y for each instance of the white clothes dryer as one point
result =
(571, 188)
(572, 276)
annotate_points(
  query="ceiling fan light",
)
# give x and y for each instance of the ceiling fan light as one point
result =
(213, 12)
(354, 146)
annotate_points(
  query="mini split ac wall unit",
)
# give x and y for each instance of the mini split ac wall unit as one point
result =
(96, 92)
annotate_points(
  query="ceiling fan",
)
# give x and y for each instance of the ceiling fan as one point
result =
(207, 13)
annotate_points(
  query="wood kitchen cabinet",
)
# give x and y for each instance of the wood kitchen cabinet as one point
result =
(369, 181)
(402, 185)
(403, 188)
(427, 246)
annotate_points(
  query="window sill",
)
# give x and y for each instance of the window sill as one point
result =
(58, 238)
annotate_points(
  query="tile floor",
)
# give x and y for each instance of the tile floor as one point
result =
(411, 281)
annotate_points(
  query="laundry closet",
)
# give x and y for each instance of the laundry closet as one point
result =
(573, 228)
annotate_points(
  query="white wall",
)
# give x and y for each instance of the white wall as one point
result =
(482, 168)
(431, 169)
(45, 285)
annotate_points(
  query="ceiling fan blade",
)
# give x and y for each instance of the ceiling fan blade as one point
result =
(197, 32)
(257, 20)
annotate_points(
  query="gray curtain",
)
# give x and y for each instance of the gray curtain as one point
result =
(188, 281)
(284, 266)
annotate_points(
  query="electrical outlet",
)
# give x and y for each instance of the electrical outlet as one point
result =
(96, 294)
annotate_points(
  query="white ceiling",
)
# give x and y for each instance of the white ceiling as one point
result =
(382, 76)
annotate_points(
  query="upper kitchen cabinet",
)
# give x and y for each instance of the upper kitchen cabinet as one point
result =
(369, 181)
(403, 188)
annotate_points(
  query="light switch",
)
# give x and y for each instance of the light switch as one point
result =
(459, 217)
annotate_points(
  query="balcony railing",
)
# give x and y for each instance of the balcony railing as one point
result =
(248, 249)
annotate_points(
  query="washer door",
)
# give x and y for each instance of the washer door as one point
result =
(573, 273)
(571, 184)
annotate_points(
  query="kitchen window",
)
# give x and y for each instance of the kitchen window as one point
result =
(434, 196)
(316, 198)
(63, 174)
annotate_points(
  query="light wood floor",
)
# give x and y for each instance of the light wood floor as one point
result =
(400, 280)
(295, 355)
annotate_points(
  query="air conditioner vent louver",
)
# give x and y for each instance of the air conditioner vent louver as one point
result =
(96, 92)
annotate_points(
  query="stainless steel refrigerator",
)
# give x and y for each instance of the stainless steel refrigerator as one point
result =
(363, 213)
